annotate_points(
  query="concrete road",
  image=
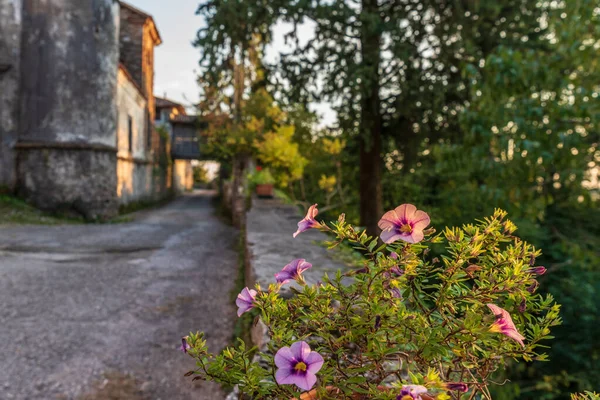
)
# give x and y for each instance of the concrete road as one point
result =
(98, 311)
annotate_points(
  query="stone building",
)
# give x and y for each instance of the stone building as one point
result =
(77, 106)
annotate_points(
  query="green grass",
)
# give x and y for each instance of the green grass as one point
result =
(14, 211)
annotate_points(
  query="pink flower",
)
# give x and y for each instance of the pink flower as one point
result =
(411, 392)
(538, 270)
(245, 300)
(308, 221)
(297, 365)
(405, 223)
(292, 271)
(504, 324)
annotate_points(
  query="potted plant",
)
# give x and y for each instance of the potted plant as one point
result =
(263, 182)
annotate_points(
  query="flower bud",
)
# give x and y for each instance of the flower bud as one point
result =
(460, 386)
(523, 306)
(533, 287)
(538, 270)
(377, 322)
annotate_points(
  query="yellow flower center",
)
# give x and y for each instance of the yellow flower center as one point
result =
(406, 228)
(300, 367)
(407, 397)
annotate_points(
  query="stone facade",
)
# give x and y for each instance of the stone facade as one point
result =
(10, 47)
(75, 75)
(67, 111)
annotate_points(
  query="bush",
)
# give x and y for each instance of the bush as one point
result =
(405, 325)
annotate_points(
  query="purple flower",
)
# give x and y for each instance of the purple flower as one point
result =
(460, 386)
(411, 392)
(396, 293)
(292, 271)
(504, 324)
(297, 365)
(538, 270)
(245, 300)
(405, 223)
(308, 221)
(394, 255)
(185, 346)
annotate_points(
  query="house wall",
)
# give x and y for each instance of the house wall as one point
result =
(135, 167)
(66, 156)
(10, 43)
(183, 176)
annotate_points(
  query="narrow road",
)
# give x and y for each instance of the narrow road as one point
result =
(98, 311)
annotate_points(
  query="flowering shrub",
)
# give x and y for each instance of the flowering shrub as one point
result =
(405, 325)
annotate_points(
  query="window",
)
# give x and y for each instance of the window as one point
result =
(130, 132)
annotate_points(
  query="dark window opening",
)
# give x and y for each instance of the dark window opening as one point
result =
(130, 132)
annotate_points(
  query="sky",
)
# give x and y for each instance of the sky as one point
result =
(176, 60)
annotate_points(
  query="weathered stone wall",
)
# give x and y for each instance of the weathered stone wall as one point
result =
(69, 59)
(10, 43)
(71, 180)
(67, 127)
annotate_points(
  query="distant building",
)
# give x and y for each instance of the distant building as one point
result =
(183, 131)
(77, 106)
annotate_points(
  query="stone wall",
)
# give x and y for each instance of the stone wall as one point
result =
(270, 225)
(71, 180)
(67, 126)
(10, 42)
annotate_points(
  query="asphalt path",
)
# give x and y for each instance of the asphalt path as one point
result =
(96, 311)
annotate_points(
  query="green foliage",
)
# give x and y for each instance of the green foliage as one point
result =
(262, 176)
(200, 174)
(482, 104)
(277, 150)
(585, 396)
(373, 342)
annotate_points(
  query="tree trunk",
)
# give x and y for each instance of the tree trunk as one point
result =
(238, 190)
(371, 199)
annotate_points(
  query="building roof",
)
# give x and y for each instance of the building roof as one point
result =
(162, 102)
(154, 29)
